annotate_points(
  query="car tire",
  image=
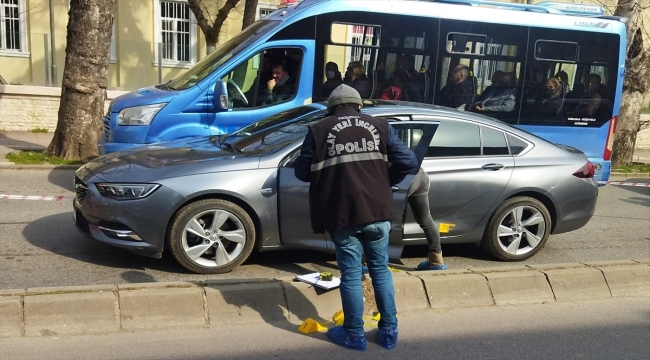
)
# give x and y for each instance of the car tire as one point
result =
(509, 239)
(227, 239)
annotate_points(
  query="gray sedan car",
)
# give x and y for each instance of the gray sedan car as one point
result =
(212, 200)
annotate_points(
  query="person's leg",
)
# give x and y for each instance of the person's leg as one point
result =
(348, 257)
(419, 204)
(375, 245)
(422, 214)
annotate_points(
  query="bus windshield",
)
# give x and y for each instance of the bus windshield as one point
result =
(223, 53)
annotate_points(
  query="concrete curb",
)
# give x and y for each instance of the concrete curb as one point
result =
(67, 311)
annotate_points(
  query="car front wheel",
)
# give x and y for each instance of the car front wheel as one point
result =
(518, 229)
(211, 236)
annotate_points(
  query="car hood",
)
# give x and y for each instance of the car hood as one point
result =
(170, 159)
(142, 96)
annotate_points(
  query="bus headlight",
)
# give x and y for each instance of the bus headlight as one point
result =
(138, 115)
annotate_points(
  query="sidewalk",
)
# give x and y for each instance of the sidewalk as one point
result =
(24, 140)
(119, 308)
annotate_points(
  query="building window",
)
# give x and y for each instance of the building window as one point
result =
(175, 26)
(176, 31)
(12, 26)
(264, 9)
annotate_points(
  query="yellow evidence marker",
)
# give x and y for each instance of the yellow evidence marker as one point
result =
(444, 227)
(310, 326)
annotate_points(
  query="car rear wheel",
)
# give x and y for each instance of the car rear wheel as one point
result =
(518, 229)
(211, 236)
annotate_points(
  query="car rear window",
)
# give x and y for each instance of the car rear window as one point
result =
(516, 145)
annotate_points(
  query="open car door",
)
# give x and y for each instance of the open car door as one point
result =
(417, 135)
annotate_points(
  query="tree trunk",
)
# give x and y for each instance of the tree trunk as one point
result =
(210, 48)
(84, 83)
(250, 11)
(635, 84)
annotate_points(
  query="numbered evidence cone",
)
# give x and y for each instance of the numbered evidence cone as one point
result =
(338, 318)
(311, 326)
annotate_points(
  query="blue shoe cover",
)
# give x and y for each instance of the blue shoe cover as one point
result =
(339, 336)
(388, 338)
(426, 265)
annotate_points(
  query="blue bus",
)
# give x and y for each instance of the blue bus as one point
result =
(553, 69)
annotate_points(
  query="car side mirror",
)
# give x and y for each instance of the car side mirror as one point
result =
(220, 97)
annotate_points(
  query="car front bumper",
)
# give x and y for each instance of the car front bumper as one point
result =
(136, 225)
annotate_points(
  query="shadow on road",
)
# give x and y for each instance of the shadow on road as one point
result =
(643, 200)
(15, 144)
(63, 178)
(57, 234)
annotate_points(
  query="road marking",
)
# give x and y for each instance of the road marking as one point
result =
(37, 197)
(625, 183)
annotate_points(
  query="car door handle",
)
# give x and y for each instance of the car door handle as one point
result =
(395, 188)
(492, 167)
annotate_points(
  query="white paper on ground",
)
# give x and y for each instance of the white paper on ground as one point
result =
(314, 279)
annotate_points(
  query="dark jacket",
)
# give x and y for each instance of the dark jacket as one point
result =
(349, 176)
(549, 106)
(456, 95)
(361, 86)
(330, 85)
(280, 93)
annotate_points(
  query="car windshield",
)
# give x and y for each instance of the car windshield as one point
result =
(222, 54)
(273, 133)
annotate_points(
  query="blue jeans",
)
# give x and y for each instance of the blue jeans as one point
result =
(351, 243)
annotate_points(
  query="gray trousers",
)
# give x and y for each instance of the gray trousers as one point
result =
(418, 199)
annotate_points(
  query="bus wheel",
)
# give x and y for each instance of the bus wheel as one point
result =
(517, 230)
(211, 236)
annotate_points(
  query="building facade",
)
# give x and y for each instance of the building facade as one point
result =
(141, 29)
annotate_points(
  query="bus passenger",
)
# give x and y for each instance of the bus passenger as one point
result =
(293, 59)
(501, 97)
(496, 77)
(334, 79)
(281, 88)
(549, 104)
(402, 88)
(355, 77)
(590, 102)
(563, 78)
(413, 77)
(459, 91)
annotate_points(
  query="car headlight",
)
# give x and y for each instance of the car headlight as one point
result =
(138, 115)
(126, 191)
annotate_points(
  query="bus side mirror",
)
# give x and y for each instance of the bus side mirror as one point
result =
(220, 97)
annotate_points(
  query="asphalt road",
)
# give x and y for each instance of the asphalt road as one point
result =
(41, 247)
(606, 329)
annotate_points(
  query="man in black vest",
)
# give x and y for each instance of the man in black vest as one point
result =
(345, 159)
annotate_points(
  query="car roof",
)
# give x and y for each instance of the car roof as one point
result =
(377, 107)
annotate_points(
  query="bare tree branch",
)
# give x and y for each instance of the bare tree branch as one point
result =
(200, 16)
(211, 28)
(222, 15)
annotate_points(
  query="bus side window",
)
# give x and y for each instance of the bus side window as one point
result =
(574, 85)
